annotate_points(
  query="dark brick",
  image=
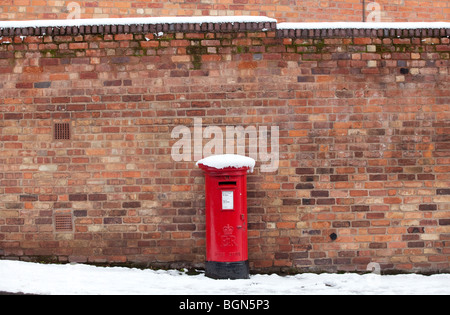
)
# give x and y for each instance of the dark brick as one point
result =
(12, 116)
(119, 60)
(256, 194)
(344, 94)
(256, 226)
(320, 193)
(80, 213)
(167, 227)
(442, 146)
(97, 197)
(377, 245)
(131, 204)
(404, 71)
(291, 202)
(112, 221)
(416, 230)
(329, 201)
(309, 179)
(48, 198)
(49, 61)
(410, 237)
(360, 223)
(78, 197)
(308, 202)
(281, 255)
(339, 178)
(406, 162)
(298, 255)
(429, 222)
(325, 170)
(426, 177)
(441, 138)
(302, 79)
(15, 221)
(303, 171)
(132, 98)
(416, 244)
(342, 261)
(304, 186)
(444, 222)
(43, 221)
(117, 213)
(88, 75)
(42, 85)
(443, 192)
(194, 211)
(179, 73)
(348, 253)
(341, 224)
(427, 207)
(24, 85)
(323, 262)
(13, 205)
(341, 56)
(6, 55)
(112, 83)
(360, 208)
(182, 204)
(186, 227)
(62, 205)
(29, 198)
(406, 177)
(390, 170)
(376, 132)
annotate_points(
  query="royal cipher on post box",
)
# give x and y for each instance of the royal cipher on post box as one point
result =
(226, 215)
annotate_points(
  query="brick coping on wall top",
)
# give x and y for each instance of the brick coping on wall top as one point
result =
(220, 24)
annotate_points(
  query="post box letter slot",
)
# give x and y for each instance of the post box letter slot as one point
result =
(227, 184)
(227, 200)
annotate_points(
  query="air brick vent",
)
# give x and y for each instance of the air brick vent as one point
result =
(62, 131)
(63, 223)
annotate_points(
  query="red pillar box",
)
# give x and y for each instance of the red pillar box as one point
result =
(226, 215)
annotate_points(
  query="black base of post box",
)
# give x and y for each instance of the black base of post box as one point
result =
(227, 270)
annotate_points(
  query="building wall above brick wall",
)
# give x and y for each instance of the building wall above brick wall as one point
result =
(286, 10)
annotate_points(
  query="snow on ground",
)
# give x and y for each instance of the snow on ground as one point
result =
(78, 279)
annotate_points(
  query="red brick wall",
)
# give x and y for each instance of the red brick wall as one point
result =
(364, 145)
(285, 10)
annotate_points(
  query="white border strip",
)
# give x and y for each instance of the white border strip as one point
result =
(362, 25)
(137, 21)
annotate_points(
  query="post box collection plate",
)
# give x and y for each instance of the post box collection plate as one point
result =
(227, 200)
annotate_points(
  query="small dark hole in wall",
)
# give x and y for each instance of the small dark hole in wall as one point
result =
(333, 236)
(404, 71)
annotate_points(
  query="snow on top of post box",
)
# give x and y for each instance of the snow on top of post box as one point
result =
(228, 160)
